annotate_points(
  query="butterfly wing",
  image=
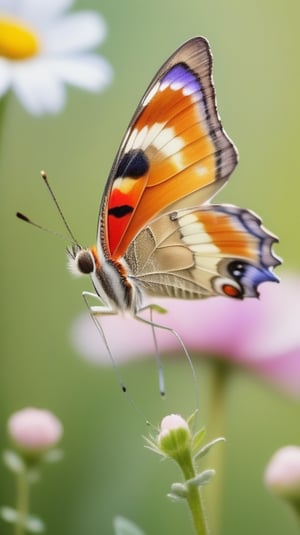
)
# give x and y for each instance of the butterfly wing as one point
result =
(175, 151)
(214, 250)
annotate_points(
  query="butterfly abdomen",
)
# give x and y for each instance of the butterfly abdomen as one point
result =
(111, 280)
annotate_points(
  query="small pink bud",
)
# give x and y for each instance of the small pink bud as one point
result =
(282, 474)
(172, 422)
(34, 429)
(175, 436)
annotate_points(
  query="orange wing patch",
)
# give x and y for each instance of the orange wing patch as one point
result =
(223, 231)
(175, 148)
(228, 234)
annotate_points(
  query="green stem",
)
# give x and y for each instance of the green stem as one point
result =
(3, 108)
(296, 506)
(216, 421)
(22, 501)
(194, 499)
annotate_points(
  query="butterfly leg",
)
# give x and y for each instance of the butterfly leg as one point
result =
(95, 312)
(104, 310)
(101, 310)
(154, 325)
(161, 378)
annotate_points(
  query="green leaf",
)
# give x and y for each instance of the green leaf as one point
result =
(157, 308)
(53, 456)
(13, 461)
(123, 526)
(151, 445)
(34, 524)
(208, 446)
(174, 497)
(201, 479)
(8, 514)
(190, 420)
(198, 439)
(179, 490)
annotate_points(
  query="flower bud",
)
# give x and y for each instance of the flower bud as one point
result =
(34, 430)
(282, 474)
(175, 436)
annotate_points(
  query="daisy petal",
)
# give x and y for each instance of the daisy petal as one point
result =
(77, 32)
(9, 6)
(37, 88)
(89, 72)
(35, 10)
(54, 49)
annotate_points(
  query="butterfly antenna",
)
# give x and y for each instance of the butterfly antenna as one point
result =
(66, 224)
(24, 217)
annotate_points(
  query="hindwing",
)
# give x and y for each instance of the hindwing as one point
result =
(214, 250)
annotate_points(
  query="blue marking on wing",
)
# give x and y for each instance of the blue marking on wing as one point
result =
(182, 75)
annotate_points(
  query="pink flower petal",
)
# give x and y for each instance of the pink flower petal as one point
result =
(262, 334)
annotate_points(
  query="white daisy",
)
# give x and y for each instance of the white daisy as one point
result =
(41, 47)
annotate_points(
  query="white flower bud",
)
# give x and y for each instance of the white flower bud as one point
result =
(174, 436)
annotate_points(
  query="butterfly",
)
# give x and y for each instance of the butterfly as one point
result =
(158, 234)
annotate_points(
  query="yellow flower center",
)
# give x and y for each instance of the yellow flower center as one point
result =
(17, 41)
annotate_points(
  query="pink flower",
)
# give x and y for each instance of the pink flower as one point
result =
(34, 429)
(262, 334)
(282, 474)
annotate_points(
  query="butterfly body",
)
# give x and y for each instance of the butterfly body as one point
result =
(158, 233)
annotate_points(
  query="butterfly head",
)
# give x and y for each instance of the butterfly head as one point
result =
(82, 261)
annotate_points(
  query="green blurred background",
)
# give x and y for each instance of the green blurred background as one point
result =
(107, 470)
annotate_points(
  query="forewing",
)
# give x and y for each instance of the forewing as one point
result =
(216, 250)
(175, 152)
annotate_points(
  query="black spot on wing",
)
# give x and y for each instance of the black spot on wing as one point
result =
(237, 269)
(133, 164)
(120, 211)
